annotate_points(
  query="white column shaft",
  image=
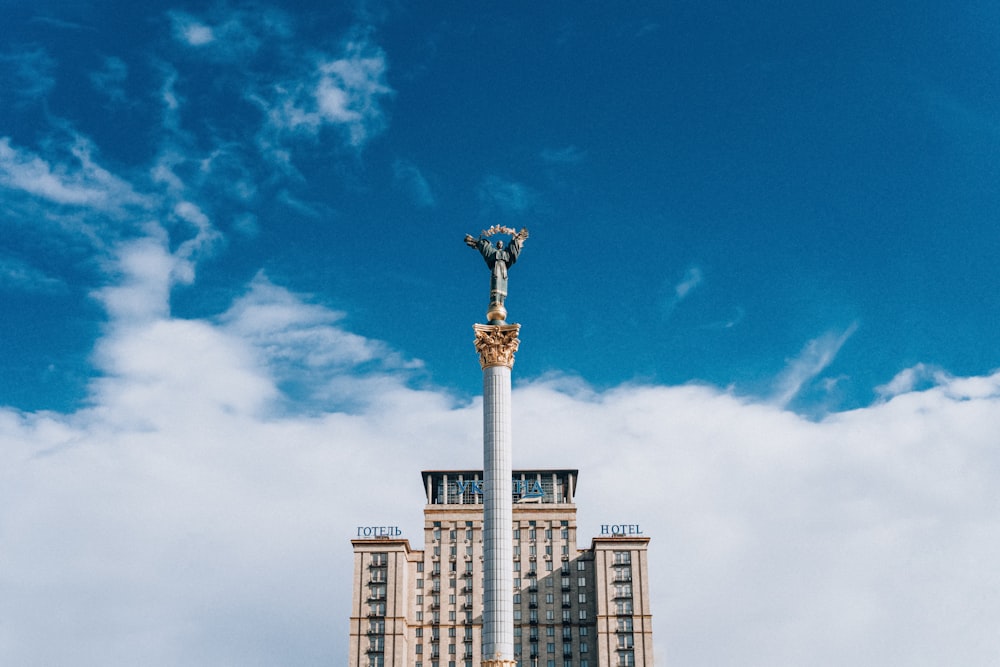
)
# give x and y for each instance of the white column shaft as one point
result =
(498, 612)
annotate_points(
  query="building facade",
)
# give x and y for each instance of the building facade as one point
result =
(572, 607)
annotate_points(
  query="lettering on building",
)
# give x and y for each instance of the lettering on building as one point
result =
(620, 529)
(379, 531)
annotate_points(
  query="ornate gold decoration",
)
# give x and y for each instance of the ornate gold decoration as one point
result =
(497, 229)
(499, 662)
(496, 344)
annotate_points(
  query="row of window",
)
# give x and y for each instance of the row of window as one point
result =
(584, 662)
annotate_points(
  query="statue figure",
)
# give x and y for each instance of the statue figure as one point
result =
(499, 259)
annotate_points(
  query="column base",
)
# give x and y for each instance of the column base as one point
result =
(499, 662)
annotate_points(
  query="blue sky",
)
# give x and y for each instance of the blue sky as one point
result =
(761, 275)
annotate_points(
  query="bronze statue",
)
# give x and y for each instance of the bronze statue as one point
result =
(499, 259)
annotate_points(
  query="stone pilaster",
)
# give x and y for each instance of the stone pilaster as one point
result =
(496, 345)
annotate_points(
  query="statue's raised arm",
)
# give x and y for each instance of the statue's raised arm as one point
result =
(498, 258)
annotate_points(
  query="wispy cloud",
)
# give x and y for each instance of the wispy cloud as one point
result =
(811, 361)
(28, 75)
(567, 155)
(412, 181)
(506, 196)
(17, 275)
(110, 79)
(79, 181)
(689, 281)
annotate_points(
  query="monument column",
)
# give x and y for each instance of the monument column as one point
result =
(496, 344)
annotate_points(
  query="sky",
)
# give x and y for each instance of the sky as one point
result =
(758, 306)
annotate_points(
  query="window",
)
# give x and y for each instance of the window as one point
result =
(468, 534)
(451, 616)
(565, 550)
(580, 566)
(565, 533)
(531, 534)
(548, 533)
(625, 624)
(420, 649)
(517, 549)
(566, 617)
(623, 606)
(583, 616)
(437, 534)
(517, 598)
(623, 590)
(451, 649)
(626, 659)
(420, 583)
(581, 582)
(420, 632)
(548, 568)
(565, 599)
(583, 646)
(533, 599)
(549, 598)
(380, 559)
(564, 582)
(623, 557)
(550, 647)
(420, 615)
(533, 615)
(582, 597)
(517, 533)
(453, 535)
(517, 614)
(532, 550)
(420, 566)
(625, 640)
(550, 615)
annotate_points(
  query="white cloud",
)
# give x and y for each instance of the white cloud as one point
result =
(344, 92)
(812, 360)
(185, 517)
(691, 279)
(196, 506)
(76, 182)
(190, 30)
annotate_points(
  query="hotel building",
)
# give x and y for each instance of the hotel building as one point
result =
(572, 607)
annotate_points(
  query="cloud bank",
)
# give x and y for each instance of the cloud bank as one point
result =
(188, 514)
